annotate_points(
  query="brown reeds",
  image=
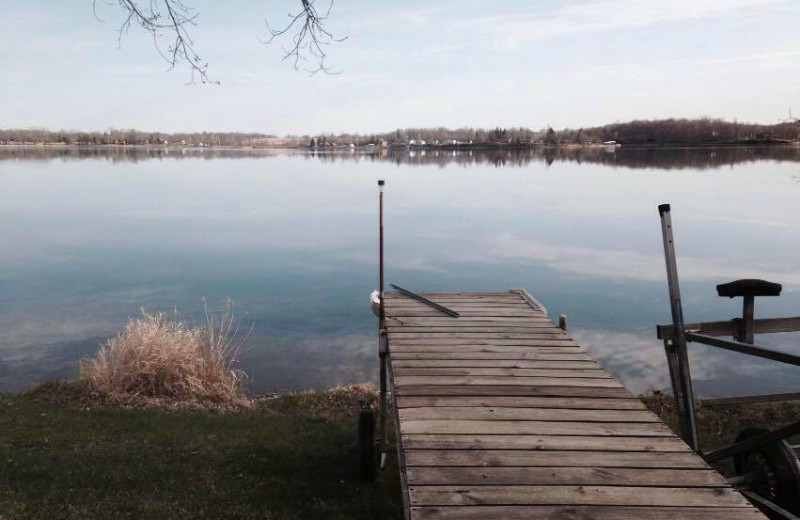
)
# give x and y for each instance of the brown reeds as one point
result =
(161, 359)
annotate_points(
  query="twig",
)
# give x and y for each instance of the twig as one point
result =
(311, 39)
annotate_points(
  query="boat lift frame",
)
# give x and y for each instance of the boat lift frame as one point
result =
(678, 334)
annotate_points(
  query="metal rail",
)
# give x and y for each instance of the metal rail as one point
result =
(744, 348)
(440, 308)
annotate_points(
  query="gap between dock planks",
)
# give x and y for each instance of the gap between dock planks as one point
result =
(502, 415)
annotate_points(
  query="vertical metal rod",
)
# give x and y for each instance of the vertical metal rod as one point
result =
(380, 251)
(683, 392)
(383, 340)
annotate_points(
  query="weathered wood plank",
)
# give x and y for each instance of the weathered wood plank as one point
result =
(493, 363)
(542, 349)
(460, 299)
(543, 442)
(467, 326)
(562, 476)
(518, 320)
(482, 304)
(509, 372)
(435, 336)
(575, 495)
(499, 380)
(431, 295)
(552, 342)
(474, 413)
(536, 458)
(518, 356)
(428, 311)
(572, 512)
(511, 390)
(579, 403)
(493, 330)
(463, 427)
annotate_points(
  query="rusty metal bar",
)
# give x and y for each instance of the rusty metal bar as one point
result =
(744, 348)
(427, 302)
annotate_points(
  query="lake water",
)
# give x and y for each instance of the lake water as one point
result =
(87, 237)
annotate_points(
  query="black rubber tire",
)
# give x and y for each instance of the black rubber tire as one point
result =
(367, 447)
(779, 469)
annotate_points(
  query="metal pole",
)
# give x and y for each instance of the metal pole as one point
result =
(380, 251)
(383, 340)
(682, 382)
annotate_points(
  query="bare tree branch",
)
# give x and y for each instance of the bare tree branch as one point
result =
(310, 39)
(171, 20)
(166, 19)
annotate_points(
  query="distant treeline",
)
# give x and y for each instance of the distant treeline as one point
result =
(703, 131)
(130, 137)
(663, 132)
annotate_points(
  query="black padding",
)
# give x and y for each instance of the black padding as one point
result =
(748, 287)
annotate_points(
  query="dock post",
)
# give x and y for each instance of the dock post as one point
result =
(383, 340)
(562, 322)
(677, 355)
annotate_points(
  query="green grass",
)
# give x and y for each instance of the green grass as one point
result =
(288, 457)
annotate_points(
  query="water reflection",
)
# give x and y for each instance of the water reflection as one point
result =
(89, 236)
(697, 158)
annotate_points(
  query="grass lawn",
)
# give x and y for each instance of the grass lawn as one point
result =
(287, 457)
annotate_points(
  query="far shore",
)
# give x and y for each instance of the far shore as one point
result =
(399, 148)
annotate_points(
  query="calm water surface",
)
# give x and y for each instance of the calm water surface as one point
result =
(88, 237)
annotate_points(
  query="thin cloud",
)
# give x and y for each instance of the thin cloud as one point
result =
(589, 17)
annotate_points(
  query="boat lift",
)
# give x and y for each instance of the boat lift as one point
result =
(767, 466)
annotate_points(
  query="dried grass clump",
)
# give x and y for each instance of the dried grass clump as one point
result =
(160, 359)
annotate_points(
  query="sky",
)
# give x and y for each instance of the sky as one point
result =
(453, 63)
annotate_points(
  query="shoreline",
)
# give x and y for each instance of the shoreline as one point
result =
(400, 148)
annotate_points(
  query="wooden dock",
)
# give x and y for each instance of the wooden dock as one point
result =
(501, 415)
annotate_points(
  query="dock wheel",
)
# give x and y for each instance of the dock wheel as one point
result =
(775, 469)
(367, 446)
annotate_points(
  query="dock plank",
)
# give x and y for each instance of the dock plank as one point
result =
(474, 413)
(565, 476)
(494, 363)
(544, 347)
(529, 355)
(541, 372)
(579, 403)
(462, 427)
(575, 495)
(537, 512)
(403, 381)
(537, 458)
(543, 442)
(511, 390)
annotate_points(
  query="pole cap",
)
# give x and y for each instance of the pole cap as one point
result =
(663, 208)
(381, 182)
